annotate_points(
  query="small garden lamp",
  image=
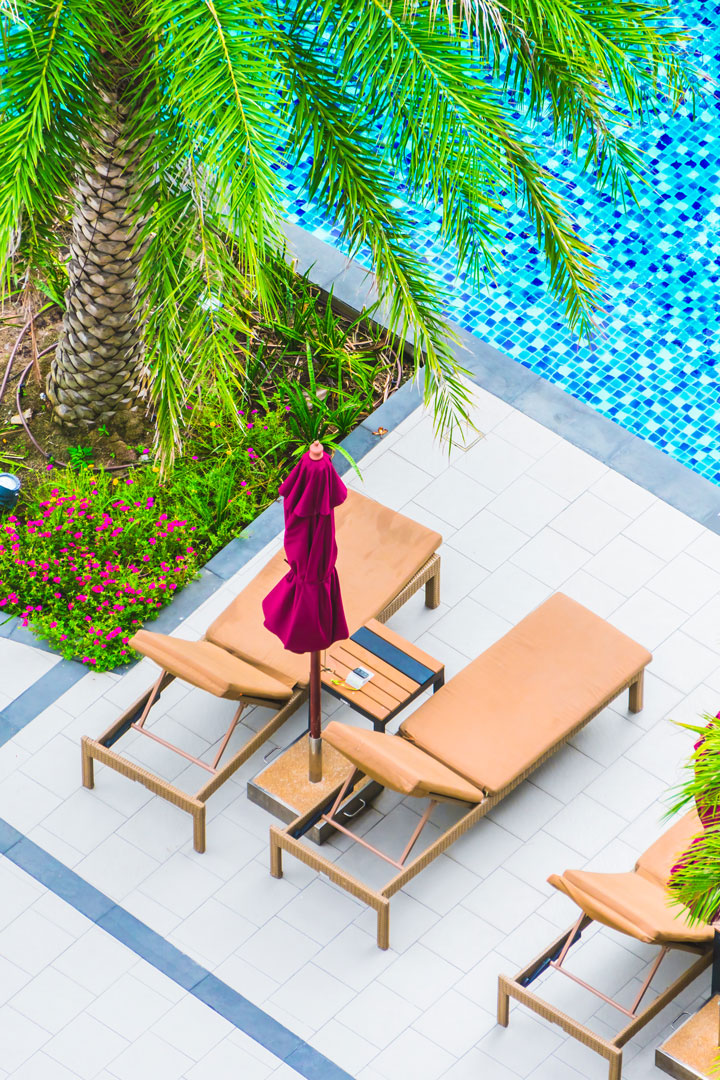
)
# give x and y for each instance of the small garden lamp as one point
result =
(9, 491)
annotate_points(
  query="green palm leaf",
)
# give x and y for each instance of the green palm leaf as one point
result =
(218, 96)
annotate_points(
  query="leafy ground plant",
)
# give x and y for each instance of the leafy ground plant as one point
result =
(317, 413)
(80, 457)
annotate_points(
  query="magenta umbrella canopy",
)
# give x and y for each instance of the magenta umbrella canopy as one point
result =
(305, 608)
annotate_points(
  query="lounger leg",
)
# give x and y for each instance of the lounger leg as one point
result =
(636, 693)
(275, 856)
(88, 767)
(198, 814)
(432, 589)
(503, 1005)
(383, 926)
(615, 1070)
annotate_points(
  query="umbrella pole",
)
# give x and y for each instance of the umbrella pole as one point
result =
(315, 741)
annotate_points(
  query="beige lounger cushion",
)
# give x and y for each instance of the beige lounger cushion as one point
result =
(637, 903)
(397, 764)
(379, 551)
(209, 667)
(497, 717)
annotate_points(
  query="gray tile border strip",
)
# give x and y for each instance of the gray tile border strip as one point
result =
(153, 948)
(43, 692)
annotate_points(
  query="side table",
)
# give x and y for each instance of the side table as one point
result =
(401, 672)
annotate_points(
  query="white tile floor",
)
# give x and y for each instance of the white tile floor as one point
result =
(79, 1004)
(523, 513)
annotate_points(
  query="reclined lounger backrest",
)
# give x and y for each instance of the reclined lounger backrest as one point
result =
(398, 765)
(379, 551)
(637, 902)
(495, 719)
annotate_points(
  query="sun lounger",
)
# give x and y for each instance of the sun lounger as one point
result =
(480, 735)
(634, 903)
(383, 559)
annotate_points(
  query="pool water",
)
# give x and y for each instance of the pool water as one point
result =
(653, 364)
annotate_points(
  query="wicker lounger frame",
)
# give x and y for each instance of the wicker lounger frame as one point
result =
(289, 838)
(610, 1049)
(101, 749)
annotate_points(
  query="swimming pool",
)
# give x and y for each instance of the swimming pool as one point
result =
(654, 365)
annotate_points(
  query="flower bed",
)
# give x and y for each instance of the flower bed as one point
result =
(91, 558)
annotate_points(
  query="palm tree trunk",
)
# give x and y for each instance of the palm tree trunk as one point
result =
(98, 365)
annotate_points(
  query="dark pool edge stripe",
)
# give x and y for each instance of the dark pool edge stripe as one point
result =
(152, 947)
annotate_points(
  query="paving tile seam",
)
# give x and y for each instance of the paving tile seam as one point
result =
(152, 947)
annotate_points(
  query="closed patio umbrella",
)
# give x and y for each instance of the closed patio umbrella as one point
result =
(305, 608)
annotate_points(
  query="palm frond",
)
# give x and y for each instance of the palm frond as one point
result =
(46, 98)
(351, 181)
(211, 200)
(215, 84)
(435, 110)
(695, 882)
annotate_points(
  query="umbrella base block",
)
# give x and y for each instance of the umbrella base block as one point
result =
(691, 1050)
(284, 789)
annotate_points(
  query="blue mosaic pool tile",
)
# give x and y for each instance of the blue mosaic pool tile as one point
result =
(656, 350)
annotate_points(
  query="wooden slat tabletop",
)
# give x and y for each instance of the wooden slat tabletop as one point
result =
(389, 689)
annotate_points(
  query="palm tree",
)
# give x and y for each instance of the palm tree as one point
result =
(164, 127)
